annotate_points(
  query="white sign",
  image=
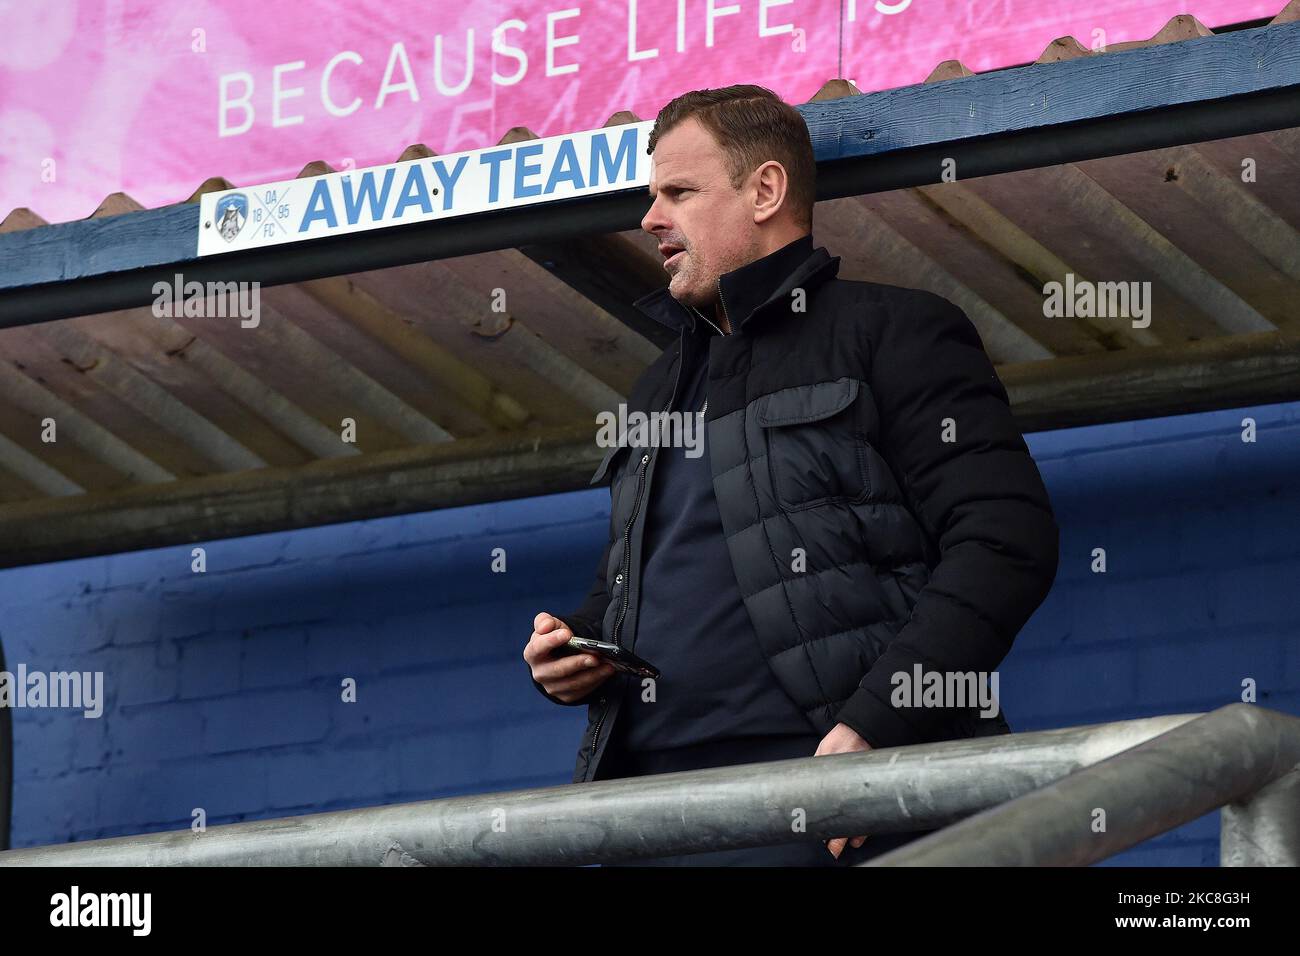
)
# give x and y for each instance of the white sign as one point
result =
(440, 187)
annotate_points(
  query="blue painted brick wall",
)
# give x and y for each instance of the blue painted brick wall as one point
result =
(223, 688)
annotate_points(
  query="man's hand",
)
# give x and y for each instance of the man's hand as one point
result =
(567, 678)
(842, 740)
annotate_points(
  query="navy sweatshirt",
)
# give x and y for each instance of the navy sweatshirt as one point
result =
(714, 683)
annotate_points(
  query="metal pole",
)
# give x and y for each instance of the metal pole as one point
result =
(900, 789)
(1264, 829)
(1098, 811)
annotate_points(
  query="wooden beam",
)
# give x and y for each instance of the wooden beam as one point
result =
(120, 378)
(42, 361)
(461, 384)
(1201, 205)
(853, 224)
(359, 389)
(1288, 141)
(1105, 239)
(316, 379)
(460, 304)
(251, 412)
(17, 460)
(1268, 234)
(469, 299)
(609, 272)
(1230, 372)
(502, 335)
(1225, 372)
(564, 316)
(1276, 170)
(505, 335)
(469, 471)
(1025, 257)
(258, 402)
(1088, 200)
(77, 429)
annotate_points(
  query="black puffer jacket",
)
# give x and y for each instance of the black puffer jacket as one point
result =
(828, 410)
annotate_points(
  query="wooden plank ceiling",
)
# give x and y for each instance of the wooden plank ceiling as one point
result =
(501, 353)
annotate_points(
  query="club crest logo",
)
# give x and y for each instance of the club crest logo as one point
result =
(232, 213)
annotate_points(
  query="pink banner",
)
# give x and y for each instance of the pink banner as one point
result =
(151, 98)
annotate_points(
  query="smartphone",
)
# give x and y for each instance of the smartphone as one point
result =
(622, 659)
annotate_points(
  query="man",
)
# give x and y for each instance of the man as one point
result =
(865, 505)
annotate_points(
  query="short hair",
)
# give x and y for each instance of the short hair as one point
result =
(752, 125)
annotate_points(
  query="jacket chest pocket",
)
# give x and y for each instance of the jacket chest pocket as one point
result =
(816, 450)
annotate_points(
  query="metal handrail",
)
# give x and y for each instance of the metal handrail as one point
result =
(1242, 758)
(894, 790)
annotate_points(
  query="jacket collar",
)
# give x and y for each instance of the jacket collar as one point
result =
(752, 287)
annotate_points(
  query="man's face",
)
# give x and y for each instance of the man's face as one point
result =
(705, 227)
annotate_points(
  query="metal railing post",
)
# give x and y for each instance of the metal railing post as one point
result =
(1263, 829)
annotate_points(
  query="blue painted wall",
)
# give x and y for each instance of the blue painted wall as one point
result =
(223, 688)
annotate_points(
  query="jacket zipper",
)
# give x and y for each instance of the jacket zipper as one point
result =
(725, 313)
(627, 542)
(720, 332)
(636, 504)
(627, 545)
(627, 588)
